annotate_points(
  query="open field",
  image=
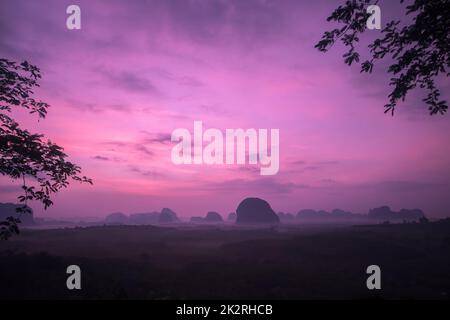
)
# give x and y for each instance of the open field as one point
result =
(212, 262)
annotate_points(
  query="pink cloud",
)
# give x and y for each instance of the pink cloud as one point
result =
(139, 70)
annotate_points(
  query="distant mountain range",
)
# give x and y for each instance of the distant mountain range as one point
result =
(258, 211)
(249, 211)
(380, 214)
(336, 215)
(165, 216)
(386, 214)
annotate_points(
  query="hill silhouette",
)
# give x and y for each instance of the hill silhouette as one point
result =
(167, 216)
(231, 217)
(256, 211)
(213, 216)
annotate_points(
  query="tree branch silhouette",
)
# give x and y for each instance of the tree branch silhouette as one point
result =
(420, 50)
(26, 155)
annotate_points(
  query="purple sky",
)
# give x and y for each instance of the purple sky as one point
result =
(137, 70)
